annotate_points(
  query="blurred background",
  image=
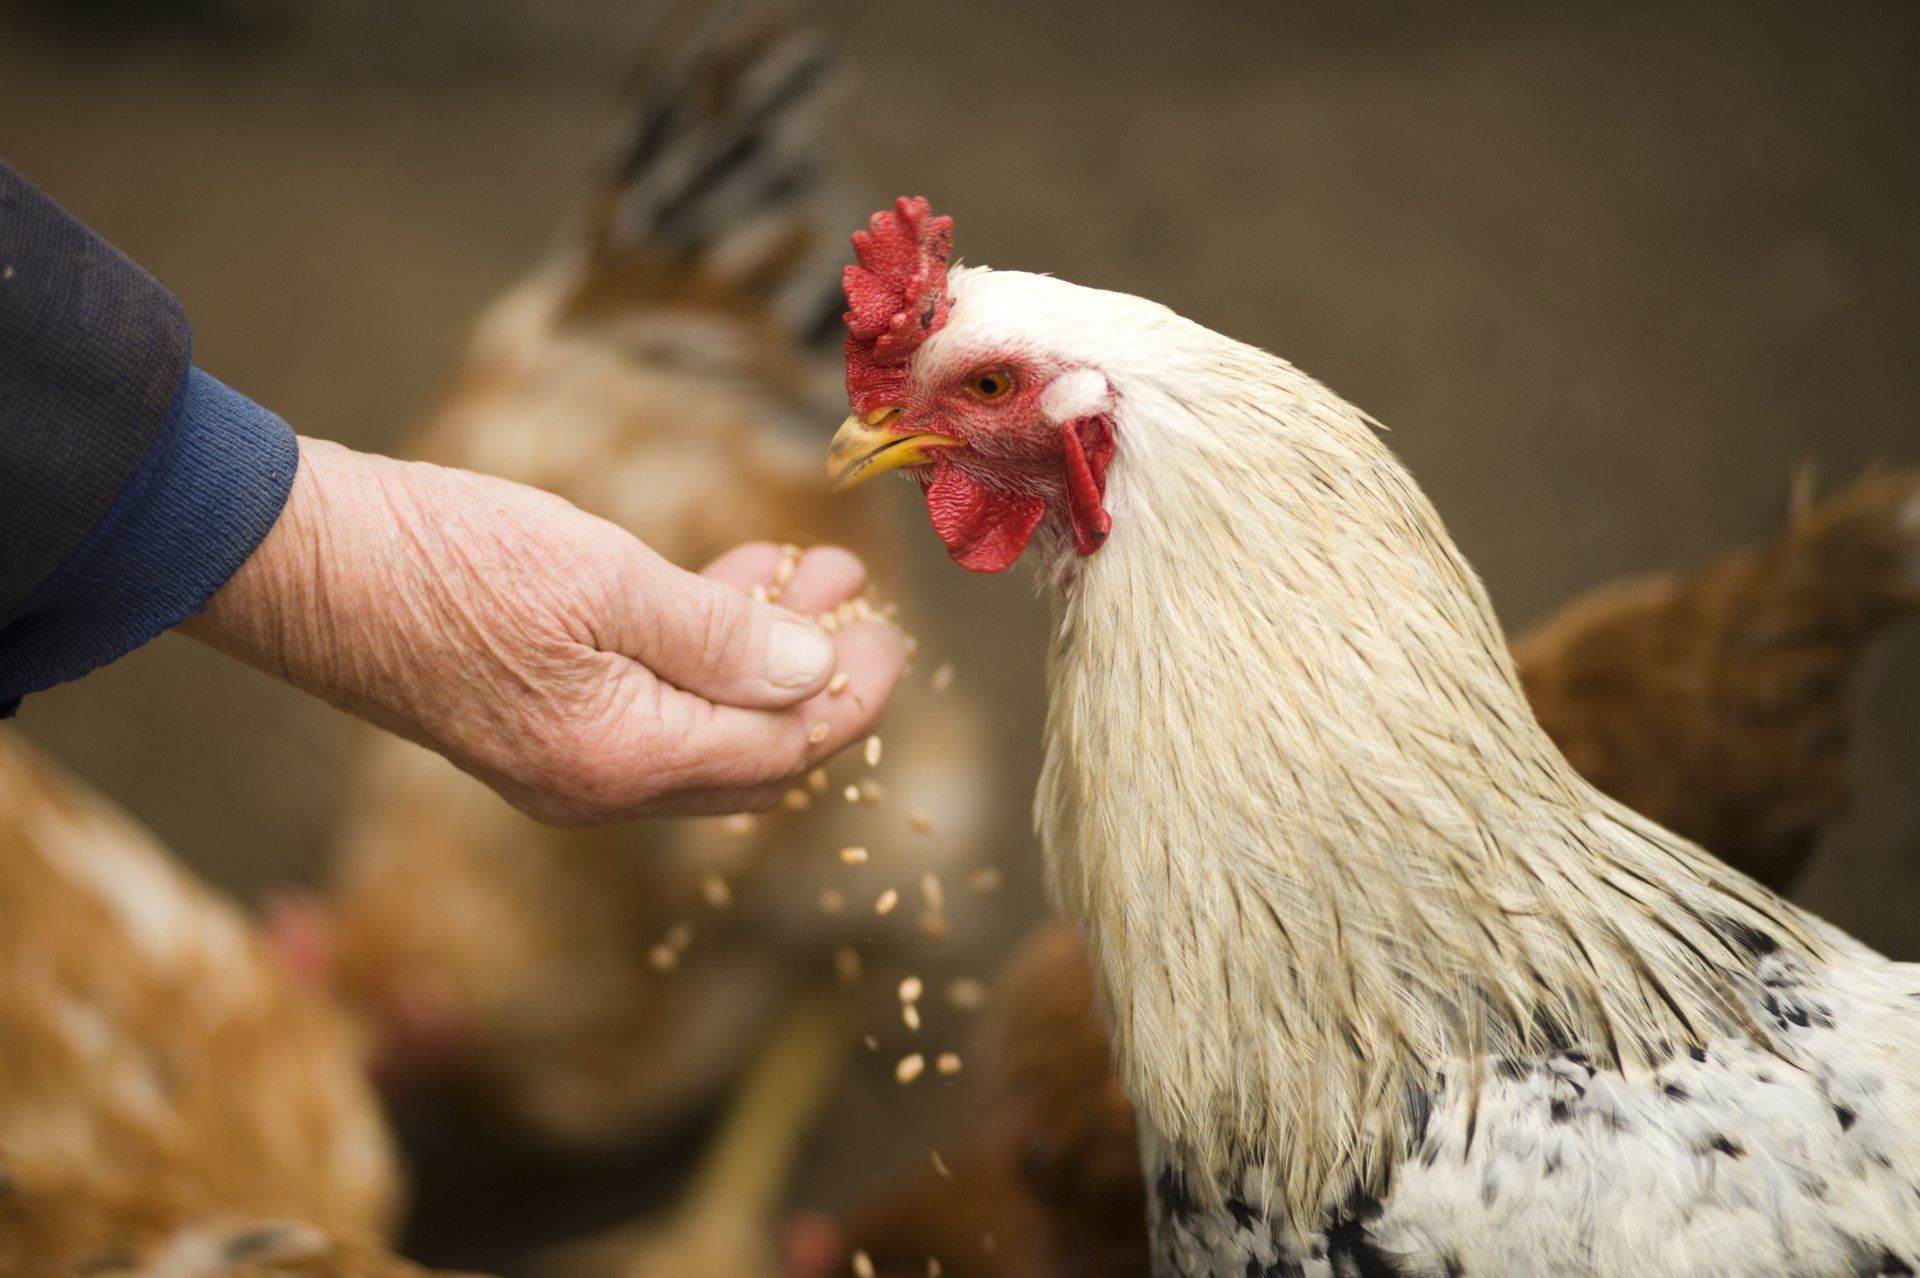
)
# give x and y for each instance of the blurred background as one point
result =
(1609, 271)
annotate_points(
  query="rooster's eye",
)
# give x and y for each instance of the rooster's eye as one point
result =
(990, 385)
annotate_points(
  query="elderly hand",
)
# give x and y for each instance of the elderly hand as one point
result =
(548, 652)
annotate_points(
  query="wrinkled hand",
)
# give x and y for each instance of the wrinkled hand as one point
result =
(548, 652)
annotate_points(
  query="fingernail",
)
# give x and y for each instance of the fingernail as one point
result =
(797, 654)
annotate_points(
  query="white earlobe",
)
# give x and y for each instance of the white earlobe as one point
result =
(1076, 394)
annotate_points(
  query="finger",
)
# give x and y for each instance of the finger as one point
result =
(709, 746)
(825, 578)
(704, 636)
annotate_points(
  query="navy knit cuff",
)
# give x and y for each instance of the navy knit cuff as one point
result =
(206, 493)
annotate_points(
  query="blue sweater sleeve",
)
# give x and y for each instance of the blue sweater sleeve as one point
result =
(132, 485)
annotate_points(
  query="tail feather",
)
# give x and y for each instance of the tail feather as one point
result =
(1718, 700)
(720, 190)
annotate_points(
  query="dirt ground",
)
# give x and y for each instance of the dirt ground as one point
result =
(1609, 271)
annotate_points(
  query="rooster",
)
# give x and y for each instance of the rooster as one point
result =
(169, 1104)
(1392, 988)
(1741, 670)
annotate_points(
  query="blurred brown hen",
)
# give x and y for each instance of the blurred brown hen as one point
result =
(169, 1104)
(1714, 701)
(591, 985)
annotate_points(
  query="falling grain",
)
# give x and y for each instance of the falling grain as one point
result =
(663, 958)
(853, 856)
(910, 1016)
(884, 903)
(948, 1063)
(986, 879)
(943, 676)
(933, 926)
(933, 1267)
(920, 821)
(838, 684)
(873, 752)
(967, 994)
(846, 965)
(796, 800)
(819, 733)
(911, 989)
(852, 794)
(932, 893)
(715, 889)
(817, 780)
(862, 1265)
(738, 823)
(909, 1068)
(940, 1167)
(832, 901)
(789, 560)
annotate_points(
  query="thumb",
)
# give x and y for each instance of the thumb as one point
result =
(711, 639)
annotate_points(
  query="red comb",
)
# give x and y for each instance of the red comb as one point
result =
(896, 298)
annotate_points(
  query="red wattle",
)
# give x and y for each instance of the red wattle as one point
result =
(984, 529)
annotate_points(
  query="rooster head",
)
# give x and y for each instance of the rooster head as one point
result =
(1002, 430)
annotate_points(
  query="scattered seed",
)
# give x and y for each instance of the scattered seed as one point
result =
(761, 594)
(872, 1043)
(967, 994)
(920, 821)
(679, 936)
(943, 676)
(948, 1063)
(873, 752)
(933, 926)
(911, 989)
(796, 800)
(738, 823)
(985, 879)
(940, 1167)
(862, 1265)
(819, 733)
(909, 1068)
(846, 963)
(664, 958)
(933, 1267)
(789, 560)
(853, 856)
(827, 622)
(817, 780)
(932, 893)
(715, 889)
(910, 1014)
(832, 901)
(872, 791)
(838, 684)
(884, 903)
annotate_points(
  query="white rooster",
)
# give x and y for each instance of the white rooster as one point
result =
(1392, 989)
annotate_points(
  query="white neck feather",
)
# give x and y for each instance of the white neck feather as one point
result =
(1319, 847)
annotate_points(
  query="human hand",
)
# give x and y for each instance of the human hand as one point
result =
(549, 652)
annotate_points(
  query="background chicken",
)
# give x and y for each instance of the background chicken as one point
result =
(169, 1104)
(1391, 988)
(596, 987)
(1741, 672)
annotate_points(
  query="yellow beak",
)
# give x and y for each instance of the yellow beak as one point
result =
(863, 447)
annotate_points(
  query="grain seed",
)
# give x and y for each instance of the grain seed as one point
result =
(909, 1068)
(853, 856)
(884, 903)
(948, 1063)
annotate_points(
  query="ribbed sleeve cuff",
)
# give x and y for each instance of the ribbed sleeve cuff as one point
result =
(206, 493)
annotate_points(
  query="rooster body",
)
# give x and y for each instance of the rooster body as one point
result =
(1392, 988)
